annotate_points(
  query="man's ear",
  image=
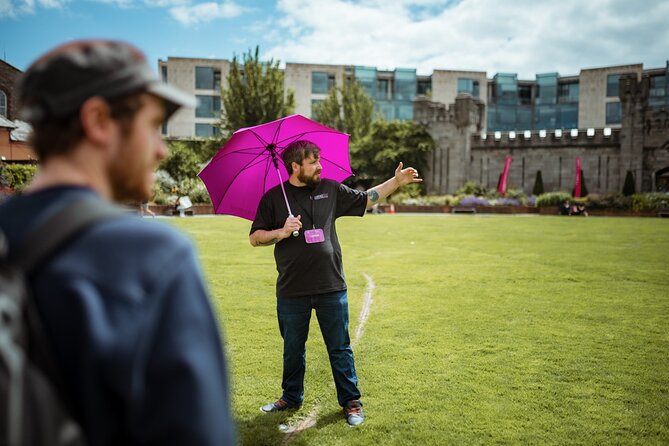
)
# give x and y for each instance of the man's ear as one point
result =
(96, 120)
(296, 166)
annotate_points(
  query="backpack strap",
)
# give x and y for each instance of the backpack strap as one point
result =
(35, 248)
(58, 228)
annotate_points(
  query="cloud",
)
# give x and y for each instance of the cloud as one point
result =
(524, 36)
(205, 12)
(166, 3)
(15, 8)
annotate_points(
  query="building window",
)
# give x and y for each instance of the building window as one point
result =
(613, 113)
(206, 130)
(367, 78)
(321, 82)
(404, 85)
(470, 86)
(525, 94)
(423, 87)
(382, 89)
(658, 85)
(658, 96)
(612, 81)
(208, 107)
(568, 93)
(207, 78)
(3, 104)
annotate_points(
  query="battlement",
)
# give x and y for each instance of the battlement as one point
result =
(547, 138)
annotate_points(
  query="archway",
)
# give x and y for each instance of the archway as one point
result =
(662, 180)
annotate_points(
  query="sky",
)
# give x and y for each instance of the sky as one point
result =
(526, 37)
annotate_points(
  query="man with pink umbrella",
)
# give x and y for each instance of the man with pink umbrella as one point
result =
(309, 261)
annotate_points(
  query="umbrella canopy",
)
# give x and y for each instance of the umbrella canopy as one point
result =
(244, 169)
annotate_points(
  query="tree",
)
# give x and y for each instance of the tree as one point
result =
(348, 109)
(181, 162)
(538, 185)
(584, 189)
(629, 188)
(254, 94)
(375, 157)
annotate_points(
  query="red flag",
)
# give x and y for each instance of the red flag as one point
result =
(577, 181)
(505, 176)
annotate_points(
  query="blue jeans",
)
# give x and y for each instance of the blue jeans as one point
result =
(294, 314)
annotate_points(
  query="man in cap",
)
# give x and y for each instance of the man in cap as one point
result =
(123, 305)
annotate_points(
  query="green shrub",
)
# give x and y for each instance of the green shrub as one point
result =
(472, 188)
(19, 175)
(608, 201)
(182, 162)
(538, 188)
(553, 199)
(629, 188)
(649, 201)
(195, 190)
(584, 188)
(517, 194)
(410, 191)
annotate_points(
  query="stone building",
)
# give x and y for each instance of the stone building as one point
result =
(466, 152)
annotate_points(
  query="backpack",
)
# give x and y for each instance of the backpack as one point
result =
(32, 408)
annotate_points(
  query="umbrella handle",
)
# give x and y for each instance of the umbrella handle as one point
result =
(290, 212)
(295, 233)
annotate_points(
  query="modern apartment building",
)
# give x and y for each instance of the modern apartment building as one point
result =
(202, 78)
(550, 101)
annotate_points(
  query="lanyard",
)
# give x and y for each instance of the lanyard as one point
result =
(310, 215)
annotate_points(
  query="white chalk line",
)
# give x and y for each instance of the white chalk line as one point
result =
(309, 421)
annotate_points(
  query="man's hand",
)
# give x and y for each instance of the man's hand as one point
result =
(406, 176)
(291, 225)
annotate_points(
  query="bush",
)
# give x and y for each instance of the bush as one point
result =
(19, 175)
(538, 188)
(506, 201)
(195, 190)
(182, 162)
(553, 199)
(471, 200)
(407, 192)
(629, 188)
(650, 201)
(608, 201)
(472, 188)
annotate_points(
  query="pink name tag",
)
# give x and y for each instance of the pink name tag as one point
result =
(314, 236)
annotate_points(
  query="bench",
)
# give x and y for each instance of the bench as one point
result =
(463, 210)
(663, 213)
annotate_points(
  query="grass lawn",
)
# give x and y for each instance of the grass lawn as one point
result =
(482, 329)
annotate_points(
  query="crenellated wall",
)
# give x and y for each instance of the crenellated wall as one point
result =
(463, 154)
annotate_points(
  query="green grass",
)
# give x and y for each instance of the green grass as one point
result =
(483, 330)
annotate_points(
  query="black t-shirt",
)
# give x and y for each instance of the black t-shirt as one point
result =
(306, 268)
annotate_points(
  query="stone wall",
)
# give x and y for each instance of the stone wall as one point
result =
(463, 154)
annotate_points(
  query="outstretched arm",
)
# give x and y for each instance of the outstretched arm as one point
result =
(402, 177)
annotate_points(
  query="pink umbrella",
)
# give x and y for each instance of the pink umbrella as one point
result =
(249, 164)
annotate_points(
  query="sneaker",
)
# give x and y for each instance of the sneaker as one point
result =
(353, 412)
(278, 406)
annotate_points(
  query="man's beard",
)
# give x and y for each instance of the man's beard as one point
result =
(312, 181)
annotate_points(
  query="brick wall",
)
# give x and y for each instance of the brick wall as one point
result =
(8, 78)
